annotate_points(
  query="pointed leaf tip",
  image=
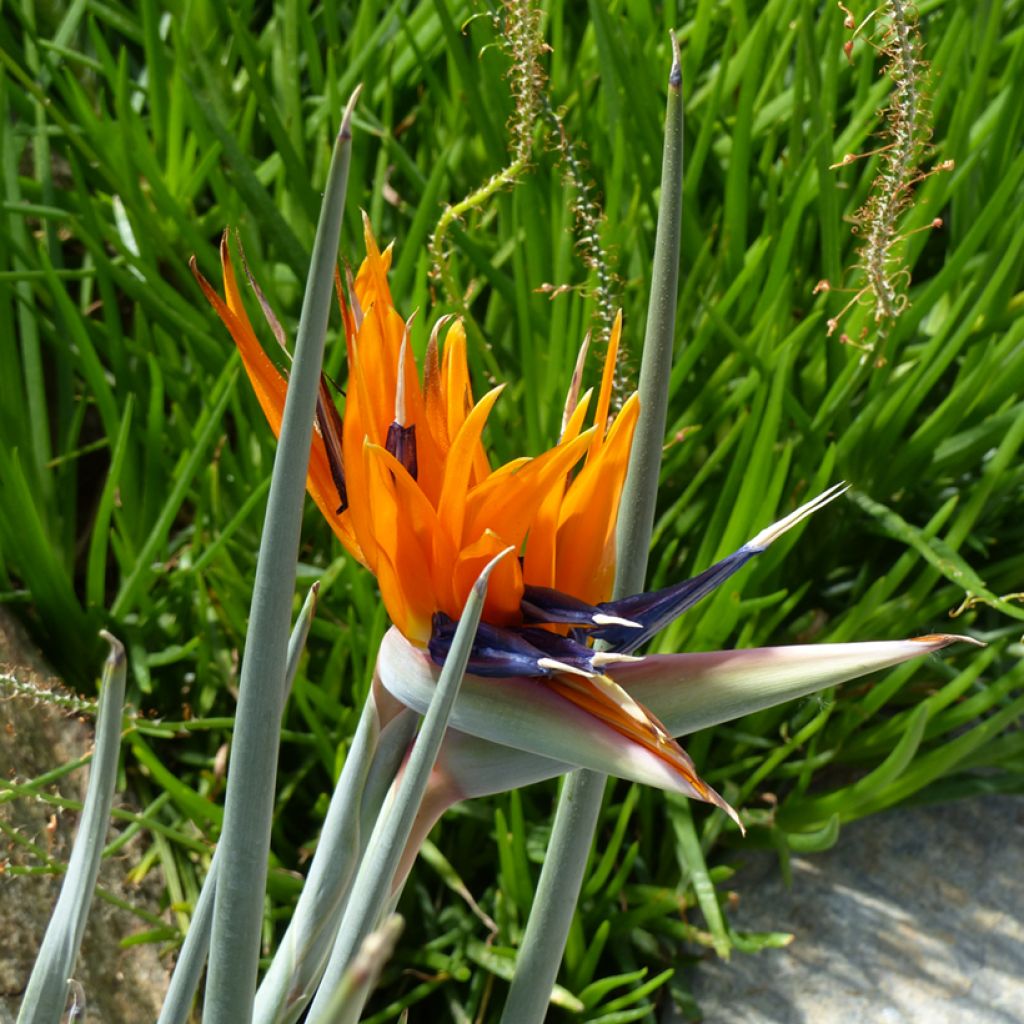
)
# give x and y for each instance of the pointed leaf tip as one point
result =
(481, 582)
(116, 657)
(675, 76)
(345, 131)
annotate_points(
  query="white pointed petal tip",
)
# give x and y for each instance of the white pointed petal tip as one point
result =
(731, 811)
(400, 417)
(602, 658)
(776, 530)
(439, 325)
(560, 666)
(600, 619)
(695, 691)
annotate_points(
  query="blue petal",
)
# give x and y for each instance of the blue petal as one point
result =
(546, 605)
(499, 652)
(657, 609)
(496, 652)
(622, 625)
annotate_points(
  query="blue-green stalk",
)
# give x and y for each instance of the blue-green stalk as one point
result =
(372, 889)
(361, 976)
(245, 839)
(188, 969)
(47, 989)
(370, 766)
(579, 804)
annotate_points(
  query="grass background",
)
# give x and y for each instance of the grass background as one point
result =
(135, 462)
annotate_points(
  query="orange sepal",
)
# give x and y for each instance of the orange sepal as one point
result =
(358, 427)
(539, 557)
(435, 413)
(271, 390)
(378, 343)
(266, 380)
(431, 558)
(451, 508)
(632, 720)
(509, 505)
(604, 398)
(505, 588)
(585, 546)
(371, 284)
(401, 560)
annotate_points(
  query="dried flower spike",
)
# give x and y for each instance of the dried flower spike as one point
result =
(906, 135)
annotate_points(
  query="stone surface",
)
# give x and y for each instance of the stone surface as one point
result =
(121, 986)
(916, 916)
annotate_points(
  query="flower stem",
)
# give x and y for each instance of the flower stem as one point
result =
(372, 762)
(181, 992)
(372, 887)
(579, 804)
(248, 808)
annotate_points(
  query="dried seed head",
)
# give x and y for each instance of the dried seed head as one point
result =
(906, 135)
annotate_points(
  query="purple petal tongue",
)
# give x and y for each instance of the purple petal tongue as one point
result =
(656, 610)
(544, 605)
(500, 653)
(401, 439)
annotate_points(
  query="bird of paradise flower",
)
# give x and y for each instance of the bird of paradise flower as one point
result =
(406, 484)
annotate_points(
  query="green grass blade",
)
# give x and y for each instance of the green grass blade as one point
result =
(98, 545)
(183, 479)
(694, 870)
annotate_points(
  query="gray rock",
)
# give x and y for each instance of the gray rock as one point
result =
(121, 986)
(916, 916)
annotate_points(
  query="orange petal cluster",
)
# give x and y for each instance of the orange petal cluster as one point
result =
(427, 538)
